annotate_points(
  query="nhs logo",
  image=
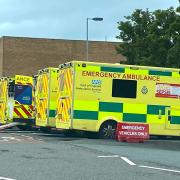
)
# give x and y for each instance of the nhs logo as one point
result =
(96, 82)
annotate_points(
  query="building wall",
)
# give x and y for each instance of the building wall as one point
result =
(1, 57)
(28, 55)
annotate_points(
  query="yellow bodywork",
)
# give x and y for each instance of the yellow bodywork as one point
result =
(16, 99)
(46, 97)
(91, 93)
(64, 101)
(3, 100)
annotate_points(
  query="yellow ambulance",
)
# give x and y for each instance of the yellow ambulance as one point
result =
(96, 96)
(16, 100)
(46, 98)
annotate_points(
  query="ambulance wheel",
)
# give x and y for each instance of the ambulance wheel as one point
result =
(108, 130)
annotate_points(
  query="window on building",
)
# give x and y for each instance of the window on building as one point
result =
(124, 88)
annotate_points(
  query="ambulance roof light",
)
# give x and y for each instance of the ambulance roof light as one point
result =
(134, 68)
(61, 66)
(83, 65)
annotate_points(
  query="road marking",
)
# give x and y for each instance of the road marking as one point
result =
(4, 140)
(11, 138)
(128, 161)
(113, 156)
(4, 178)
(133, 164)
(29, 137)
(161, 169)
(19, 138)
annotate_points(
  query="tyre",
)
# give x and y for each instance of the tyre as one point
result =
(108, 130)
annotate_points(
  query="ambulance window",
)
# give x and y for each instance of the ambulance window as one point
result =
(40, 84)
(124, 88)
(35, 83)
(61, 82)
(23, 94)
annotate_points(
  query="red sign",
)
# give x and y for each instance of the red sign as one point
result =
(132, 131)
(167, 90)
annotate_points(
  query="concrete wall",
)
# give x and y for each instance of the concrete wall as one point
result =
(28, 55)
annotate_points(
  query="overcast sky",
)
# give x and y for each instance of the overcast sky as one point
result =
(66, 19)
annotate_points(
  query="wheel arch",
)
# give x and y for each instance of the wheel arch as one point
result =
(108, 129)
(108, 120)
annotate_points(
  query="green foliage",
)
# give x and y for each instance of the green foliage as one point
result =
(151, 38)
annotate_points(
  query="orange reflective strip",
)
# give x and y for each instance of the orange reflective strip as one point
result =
(43, 84)
(58, 106)
(26, 111)
(4, 87)
(31, 107)
(61, 107)
(68, 81)
(65, 82)
(46, 83)
(61, 80)
(66, 109)
(42, 109)
(39, 84)
(17, 112)
(38, 106)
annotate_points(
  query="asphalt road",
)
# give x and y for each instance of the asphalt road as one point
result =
(38, 156)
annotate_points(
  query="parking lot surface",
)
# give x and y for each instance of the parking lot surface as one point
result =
(38, 156)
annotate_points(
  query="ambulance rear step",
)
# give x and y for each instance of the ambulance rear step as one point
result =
(6, 126)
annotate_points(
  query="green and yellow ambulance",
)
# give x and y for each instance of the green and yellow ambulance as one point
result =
(46, 98)
(96, 96)
(16, 100)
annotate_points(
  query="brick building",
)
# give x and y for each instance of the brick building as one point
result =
(19, 55)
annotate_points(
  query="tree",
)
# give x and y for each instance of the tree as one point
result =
(151, 38)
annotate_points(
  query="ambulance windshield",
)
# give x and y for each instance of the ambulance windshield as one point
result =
(23, 94)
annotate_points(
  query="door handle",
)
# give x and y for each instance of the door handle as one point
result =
(169, 118)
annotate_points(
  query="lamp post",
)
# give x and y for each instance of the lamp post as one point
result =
(87, 37)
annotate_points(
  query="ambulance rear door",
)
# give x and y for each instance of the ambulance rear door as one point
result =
(3, 100)
(23, 100)
(64, 104)
(41, 95)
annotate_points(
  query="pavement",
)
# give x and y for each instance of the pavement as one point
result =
(34, 155)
